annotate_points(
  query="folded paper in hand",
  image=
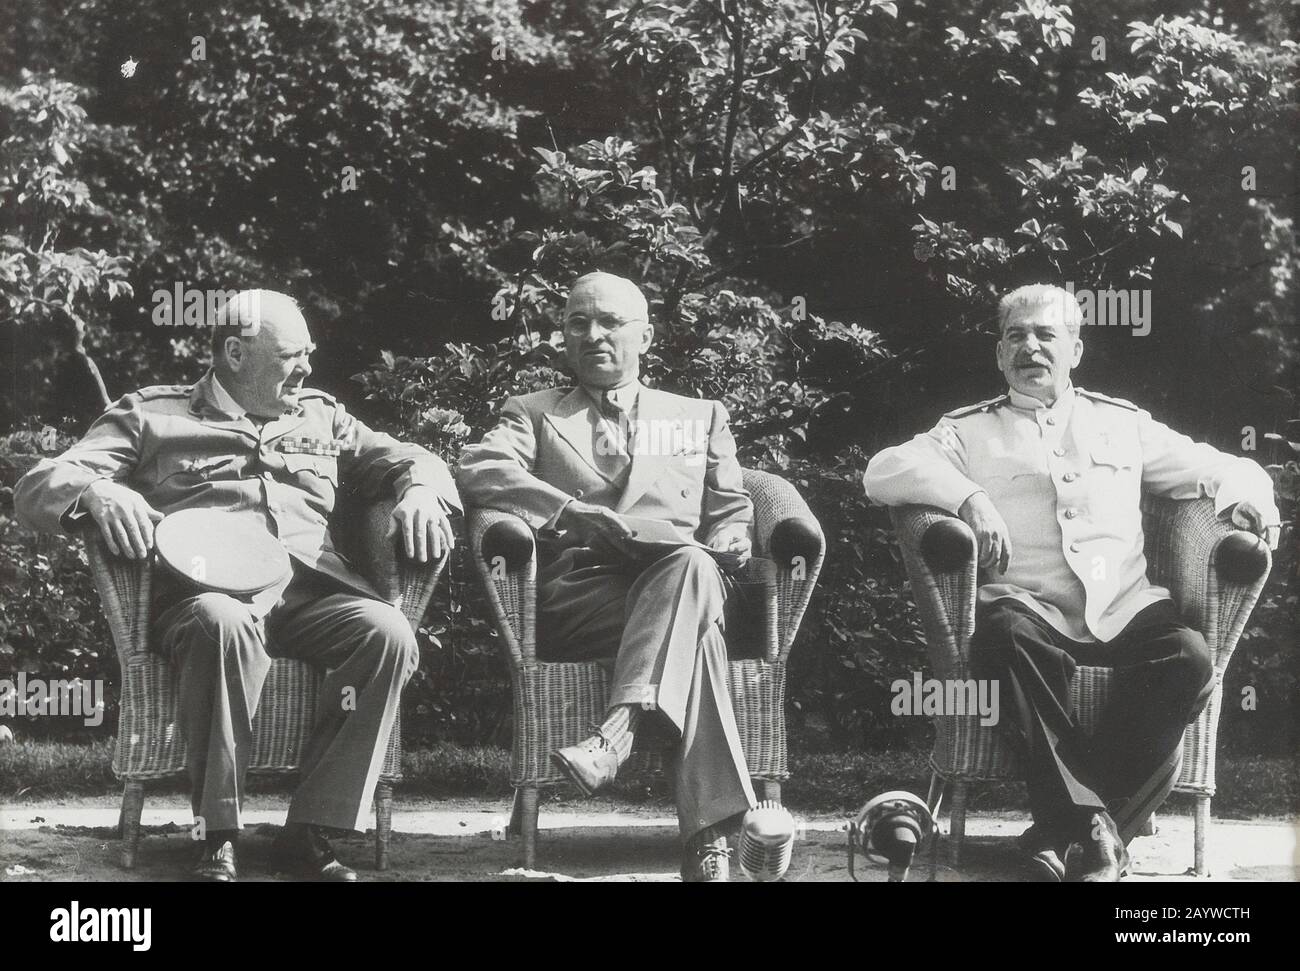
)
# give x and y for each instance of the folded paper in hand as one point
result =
(655, 537)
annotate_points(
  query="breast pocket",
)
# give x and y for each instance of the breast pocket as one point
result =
(1115, 471)
(1117, 458)
(321, 466)
(185, 470)
(1009, 478)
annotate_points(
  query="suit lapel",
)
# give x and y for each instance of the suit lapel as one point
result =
(573, 421)
(654, 410)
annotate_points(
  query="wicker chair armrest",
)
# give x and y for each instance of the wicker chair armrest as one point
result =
(939, 553)
(1214, 571)
(505, 557)
(377, 554)
(787, 533)
(125, 591)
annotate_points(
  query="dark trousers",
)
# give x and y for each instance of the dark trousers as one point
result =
(1162, 678)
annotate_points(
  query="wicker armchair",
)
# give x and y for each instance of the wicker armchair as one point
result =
(1215, 573)
(149, 745)
(555, 703)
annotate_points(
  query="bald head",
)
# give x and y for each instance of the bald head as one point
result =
(597, 293)
(260, 350)
(606, 330)
(248, 312)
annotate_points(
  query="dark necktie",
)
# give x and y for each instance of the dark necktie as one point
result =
(613, 450)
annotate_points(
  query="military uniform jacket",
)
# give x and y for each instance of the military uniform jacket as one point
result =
(542, 454)
(1068, 481)
(178, 448)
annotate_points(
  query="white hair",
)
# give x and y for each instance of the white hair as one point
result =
(1041, 295)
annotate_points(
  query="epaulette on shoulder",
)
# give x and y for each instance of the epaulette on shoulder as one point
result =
(318, 393)
(982, 406)
(1117, 402)
(165, 391)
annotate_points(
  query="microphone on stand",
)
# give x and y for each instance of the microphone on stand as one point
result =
(889, 829)
(766, 842)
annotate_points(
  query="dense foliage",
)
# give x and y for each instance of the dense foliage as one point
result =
(821, 201)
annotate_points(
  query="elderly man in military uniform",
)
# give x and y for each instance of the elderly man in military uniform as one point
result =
(573, 463)
(251, 438)
(1048, 476)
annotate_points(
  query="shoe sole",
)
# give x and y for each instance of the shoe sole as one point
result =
(563, 765)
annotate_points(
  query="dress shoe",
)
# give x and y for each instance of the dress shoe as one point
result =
(590, 765)
(304, 850)
(1100, 857)
(1044, 854)
(217, 861)
(707, 858)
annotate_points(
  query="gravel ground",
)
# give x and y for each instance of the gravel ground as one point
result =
(75, 840)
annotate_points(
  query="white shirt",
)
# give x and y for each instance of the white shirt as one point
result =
(1068, 481)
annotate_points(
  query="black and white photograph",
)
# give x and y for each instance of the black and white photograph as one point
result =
(608, 441)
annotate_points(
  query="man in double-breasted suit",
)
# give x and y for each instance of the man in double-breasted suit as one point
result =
(1049, 478)
(574, 463)
(251, 438)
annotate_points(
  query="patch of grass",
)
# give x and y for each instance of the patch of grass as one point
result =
(831, 782)
(36, 770)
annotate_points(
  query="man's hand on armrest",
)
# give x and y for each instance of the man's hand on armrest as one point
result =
(1246, 515)
(732, 539)
(990, 529)
(420, 516)
(124, 518)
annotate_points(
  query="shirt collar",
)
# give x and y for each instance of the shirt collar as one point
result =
(624, 395)
(1060, 406)
(223, 399)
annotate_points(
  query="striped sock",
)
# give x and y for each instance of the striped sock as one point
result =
(619, 728)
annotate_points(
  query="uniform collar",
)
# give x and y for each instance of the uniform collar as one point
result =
(224, 400)
(211, 393)
(1061, 406)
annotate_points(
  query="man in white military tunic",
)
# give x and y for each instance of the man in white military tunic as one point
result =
(1049, 478)
(251, 438)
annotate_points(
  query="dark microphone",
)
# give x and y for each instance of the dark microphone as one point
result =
(766, 842)
(889, 829)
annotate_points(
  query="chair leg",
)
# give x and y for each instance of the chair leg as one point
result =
(129, 821)
(769, 790)
(383, 823)
(1149, 827)
(957, 814)
(1201, 868)
(528, 808)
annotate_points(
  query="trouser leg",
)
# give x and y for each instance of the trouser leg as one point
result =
(664, 625)
(712, 778)
(369, 652)
(1035, 669)
(1163, 678)
(218, 648)
(673, 657)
